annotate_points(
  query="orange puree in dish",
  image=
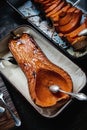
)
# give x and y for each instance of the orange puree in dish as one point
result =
(40, 72)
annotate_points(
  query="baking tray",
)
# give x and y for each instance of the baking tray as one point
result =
(28, 10)
(17, 78)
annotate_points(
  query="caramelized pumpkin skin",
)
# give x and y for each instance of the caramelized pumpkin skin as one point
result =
(40, 72)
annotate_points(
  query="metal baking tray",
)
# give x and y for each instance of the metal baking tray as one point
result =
(16, 77)
(28, 10)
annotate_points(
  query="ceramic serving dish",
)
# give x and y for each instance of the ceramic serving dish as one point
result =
(17, 78)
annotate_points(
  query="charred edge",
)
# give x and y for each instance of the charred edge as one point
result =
(34, 74)
(14, 36)
(33, 41)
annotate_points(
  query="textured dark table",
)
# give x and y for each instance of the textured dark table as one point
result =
(72, 118)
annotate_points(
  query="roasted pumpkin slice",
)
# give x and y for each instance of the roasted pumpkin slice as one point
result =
(64, 9)
(72, 9)
(61, 5)
(40, 72)
(73, 24)
(52, 6)
(75, 32)
(46, 6)
(44, 1)
(65, 20)
(80, 43)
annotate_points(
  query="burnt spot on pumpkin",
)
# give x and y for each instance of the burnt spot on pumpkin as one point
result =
(34, 74)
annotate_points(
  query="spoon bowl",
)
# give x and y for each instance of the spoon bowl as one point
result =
(2, 109)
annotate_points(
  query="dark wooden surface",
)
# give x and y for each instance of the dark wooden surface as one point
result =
(74, 117)
(6, 121)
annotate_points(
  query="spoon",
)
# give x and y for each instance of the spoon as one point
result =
(2, 109)
(16, 120)
(79, 96)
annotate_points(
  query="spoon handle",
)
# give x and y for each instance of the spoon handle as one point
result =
(79, 96)
(16, 120)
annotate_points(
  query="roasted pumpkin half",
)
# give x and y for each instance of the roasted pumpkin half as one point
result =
(40, 72)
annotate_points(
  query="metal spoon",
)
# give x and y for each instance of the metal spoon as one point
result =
(79, 96)
(16, 120)
(83, 32)
(2, 109)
